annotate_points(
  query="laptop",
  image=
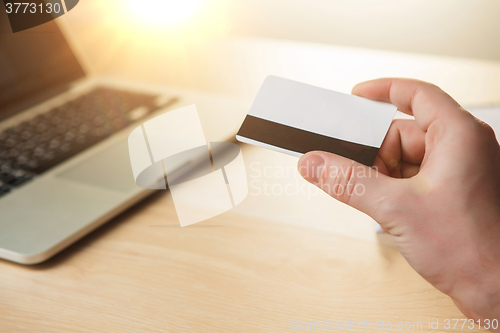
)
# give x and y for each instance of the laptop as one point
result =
(64, 162)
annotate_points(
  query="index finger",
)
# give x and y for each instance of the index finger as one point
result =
(423, 100)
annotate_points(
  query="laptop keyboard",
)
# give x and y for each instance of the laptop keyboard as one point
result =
(42, 142)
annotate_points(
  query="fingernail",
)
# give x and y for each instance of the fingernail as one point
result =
(311, 167)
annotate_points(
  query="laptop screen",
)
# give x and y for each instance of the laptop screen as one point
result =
(33, 64)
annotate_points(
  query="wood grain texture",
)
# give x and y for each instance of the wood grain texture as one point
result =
(143, 273)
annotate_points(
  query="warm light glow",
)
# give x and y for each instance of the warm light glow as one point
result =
(166, 12)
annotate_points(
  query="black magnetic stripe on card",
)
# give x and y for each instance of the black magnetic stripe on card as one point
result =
(298, 140)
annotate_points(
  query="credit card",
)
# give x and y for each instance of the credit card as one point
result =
(295, 118)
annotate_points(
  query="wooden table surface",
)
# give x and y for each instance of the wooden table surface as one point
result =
(142, 272)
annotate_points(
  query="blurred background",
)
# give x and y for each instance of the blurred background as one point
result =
(229, 46)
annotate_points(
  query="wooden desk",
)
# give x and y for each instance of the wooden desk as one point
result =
(143, 273)
(273, 259)
(232, 273)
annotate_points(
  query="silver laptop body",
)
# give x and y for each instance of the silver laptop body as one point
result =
(52, 194)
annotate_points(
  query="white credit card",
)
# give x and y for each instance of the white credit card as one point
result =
(294, 118)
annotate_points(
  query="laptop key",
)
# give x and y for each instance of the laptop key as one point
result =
(8, 178)
(13, 178)
(4, 191)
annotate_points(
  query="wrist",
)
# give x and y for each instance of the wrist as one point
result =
(479, 300)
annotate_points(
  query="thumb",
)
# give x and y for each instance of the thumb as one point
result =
(352, 183)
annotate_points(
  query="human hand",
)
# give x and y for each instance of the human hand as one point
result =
(437, 191)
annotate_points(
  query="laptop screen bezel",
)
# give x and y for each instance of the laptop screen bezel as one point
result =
(32, 99)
